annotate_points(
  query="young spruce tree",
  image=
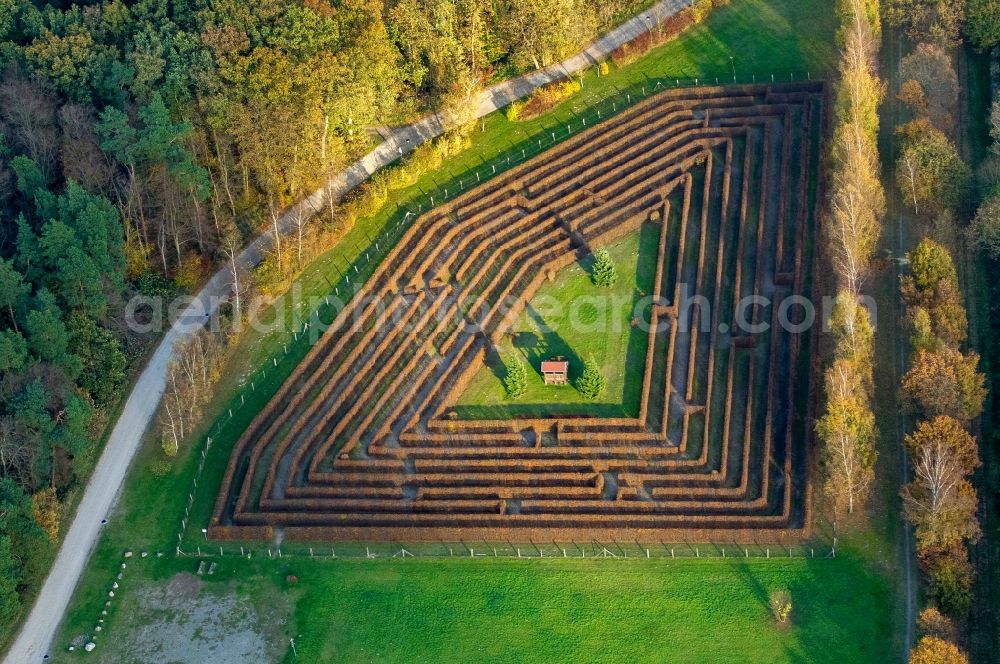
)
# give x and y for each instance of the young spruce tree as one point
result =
(604, 273)
(591, 383)
(516, 381)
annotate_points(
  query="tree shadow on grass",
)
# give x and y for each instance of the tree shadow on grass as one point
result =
(842, 610)
(548, 345)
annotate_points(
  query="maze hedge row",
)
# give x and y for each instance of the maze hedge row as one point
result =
(362, 441)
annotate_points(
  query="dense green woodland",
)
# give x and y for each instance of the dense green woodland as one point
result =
(142, 140)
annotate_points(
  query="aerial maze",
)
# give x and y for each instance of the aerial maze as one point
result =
(363, 441)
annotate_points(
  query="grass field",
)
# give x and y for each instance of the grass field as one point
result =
(594, 610)
(572, 317)
(691, 611)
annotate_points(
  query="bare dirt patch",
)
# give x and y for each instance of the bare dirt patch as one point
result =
(190, 620)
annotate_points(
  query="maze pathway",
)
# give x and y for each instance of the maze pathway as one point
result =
(362, 442)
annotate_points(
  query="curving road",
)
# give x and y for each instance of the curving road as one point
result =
(35, 638)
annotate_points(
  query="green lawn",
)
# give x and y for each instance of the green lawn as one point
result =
(710, 611)
(707, 611)
(572, 317)
(556, 610)
(590, 611)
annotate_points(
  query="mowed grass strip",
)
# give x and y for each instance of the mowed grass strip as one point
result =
(697, 611)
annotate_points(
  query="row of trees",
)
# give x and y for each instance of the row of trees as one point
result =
(190, 377)
(930, 173)
(857, 204)
(943, 386)
(945, 389)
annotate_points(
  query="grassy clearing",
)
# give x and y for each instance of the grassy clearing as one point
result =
(422, 610)
(657, 606)
(572, 317)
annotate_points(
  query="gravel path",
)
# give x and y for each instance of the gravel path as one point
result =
(35, 637)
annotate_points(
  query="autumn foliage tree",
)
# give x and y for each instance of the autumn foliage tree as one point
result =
(932, 287)
(945, 382)
(939, 21)
(929, 172)
(848, 434)
(939, 501)
(946, 388)
(931, 622)
(935, 650)
(931, 85)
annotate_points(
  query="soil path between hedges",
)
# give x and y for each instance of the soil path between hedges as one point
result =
(35, 638)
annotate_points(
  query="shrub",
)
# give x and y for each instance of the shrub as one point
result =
(270, 274)
(604, 68)
(591, 384)
(545, 98)
(700, 9)
(516, 381)
(46, 510)
(427, 157)
(169, 446)
(160, 467)
(604, 273)
(780, 602)
(191, 272)
(153, 284)
(513, 112)
(136, 259)
(631, 51)
(373, 195)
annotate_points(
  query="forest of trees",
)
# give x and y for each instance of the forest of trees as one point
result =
(143, 142)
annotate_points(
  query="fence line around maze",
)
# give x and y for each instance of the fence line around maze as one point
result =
(821, 549)
(358, 271)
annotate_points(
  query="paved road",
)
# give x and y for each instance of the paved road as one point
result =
(37, 633)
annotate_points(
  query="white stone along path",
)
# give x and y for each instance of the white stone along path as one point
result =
(36, 635)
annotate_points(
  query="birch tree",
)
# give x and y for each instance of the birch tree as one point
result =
(940, 502)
